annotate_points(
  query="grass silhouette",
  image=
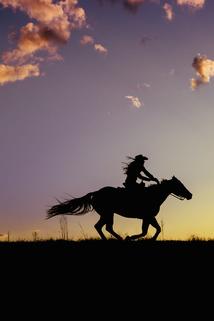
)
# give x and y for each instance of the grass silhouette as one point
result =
(119, 251)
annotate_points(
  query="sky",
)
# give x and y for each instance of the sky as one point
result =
(83, 85)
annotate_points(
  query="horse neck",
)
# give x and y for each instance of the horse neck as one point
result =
(163, 192)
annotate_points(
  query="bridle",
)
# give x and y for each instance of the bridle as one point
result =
(181, 198)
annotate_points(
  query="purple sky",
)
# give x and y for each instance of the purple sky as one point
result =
(68, 127)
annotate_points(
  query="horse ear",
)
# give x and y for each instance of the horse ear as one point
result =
(174, 178)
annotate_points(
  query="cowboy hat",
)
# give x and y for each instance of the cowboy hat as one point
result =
(139, 158)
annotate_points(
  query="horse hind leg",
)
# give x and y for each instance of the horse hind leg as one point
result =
(106, 219)
(99, 225)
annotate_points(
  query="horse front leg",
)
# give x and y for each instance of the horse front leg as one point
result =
(155, 224)
(145, 226)
(109, 227)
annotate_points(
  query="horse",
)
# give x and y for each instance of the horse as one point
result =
(143, 203)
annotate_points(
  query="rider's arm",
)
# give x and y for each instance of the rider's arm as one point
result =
(151, 177)
(144, 178)
(148, 174)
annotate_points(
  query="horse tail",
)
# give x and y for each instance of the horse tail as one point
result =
(75, 206)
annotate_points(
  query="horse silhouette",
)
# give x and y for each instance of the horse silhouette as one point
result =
(143, 203)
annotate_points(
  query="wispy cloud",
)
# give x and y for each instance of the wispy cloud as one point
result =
(88, 40)
(146, 85)
(135, 101)
(132, 5)
(100, 48)
(168, 11)
(204, 69)
(168, 7)
(196, 4)
(143, 85)
(14, 73)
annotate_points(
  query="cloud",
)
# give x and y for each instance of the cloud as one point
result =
(46, 11)
(59, 17)
(134, 5)
(87, 40)
(32, 39)
(143, 85)
(135, 101)
(52, 26)
(168, 11)
(100, 48)
(204, 69)
(146, 85)
(41, 10)
(194, 83)
(14, 73)
(195, 4)
(131, 5)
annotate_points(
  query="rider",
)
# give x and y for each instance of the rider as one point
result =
(133, 171)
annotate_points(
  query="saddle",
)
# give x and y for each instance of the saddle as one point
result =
(132, 192)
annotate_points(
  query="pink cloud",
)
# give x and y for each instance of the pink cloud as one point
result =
(14, 73)
(87, 40)
(53, 26)
(196, 4)
(204, 69)
(100, 48)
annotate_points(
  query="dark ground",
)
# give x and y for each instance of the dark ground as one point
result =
(140, 255)
(136, 276)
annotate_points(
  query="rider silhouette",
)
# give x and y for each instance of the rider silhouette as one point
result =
(133, 171)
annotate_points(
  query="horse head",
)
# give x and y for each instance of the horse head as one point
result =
(178, 189)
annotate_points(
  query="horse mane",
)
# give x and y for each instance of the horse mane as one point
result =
(151, 187)
(154, 185)
(163, 181)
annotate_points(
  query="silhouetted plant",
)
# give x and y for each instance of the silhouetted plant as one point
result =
(83, 232)
(194, 237)
(35, 236)
(63, 227)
